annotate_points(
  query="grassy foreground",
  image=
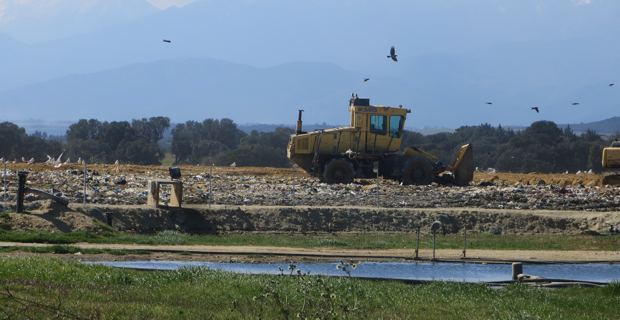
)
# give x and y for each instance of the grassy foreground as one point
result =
(38, 288)
(340, 240)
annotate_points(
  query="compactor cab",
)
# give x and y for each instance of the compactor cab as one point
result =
(371, 145)
(611, 164)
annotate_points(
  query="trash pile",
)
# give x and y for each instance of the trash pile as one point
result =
(113, 187)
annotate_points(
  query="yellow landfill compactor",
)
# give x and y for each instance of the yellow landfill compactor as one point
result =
(611, 164)
(371, 145)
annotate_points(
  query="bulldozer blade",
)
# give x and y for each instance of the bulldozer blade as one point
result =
(463, 166)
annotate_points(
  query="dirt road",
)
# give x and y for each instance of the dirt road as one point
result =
(260, 253)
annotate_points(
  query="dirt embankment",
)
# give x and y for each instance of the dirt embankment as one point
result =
(216, 219)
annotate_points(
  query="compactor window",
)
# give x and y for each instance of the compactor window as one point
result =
(396, 125)
(378, 124)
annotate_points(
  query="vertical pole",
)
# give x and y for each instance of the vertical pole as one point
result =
(85, 172)
(417, 243)
(434, 244)
(378, 189)
(210, 181)
(4, 182)
(21, 190)
(465, 243)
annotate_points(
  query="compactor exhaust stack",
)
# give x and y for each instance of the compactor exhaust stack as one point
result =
(299, 122)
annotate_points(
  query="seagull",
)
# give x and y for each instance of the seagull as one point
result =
(535, 109)
(167, 41)
(489, 103)
(575, 103)
(23, 159)
(366, 79)
(233, 165)
(393, 54)
(59, 158)
(31, 161)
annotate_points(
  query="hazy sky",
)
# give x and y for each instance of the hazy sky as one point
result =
(163, 4)
(455, 54)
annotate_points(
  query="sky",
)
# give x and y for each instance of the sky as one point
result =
(455, 55)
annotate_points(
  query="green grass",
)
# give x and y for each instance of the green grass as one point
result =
(68, 249)
(341, 240)
(38, 288)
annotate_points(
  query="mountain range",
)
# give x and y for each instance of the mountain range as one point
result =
(260, 61)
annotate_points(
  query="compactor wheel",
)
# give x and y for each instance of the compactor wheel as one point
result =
(338, 171)
(419, 171)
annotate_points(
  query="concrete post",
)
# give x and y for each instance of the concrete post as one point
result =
(152, 199)
(176, 198)
(517, 269)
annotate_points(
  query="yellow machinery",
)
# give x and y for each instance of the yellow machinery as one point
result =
(611, 163)
(371, 145)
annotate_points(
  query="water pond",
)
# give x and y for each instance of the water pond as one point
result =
(425, 271)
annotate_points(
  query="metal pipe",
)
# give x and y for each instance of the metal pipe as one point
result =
(435, 226)
(434, 245)
(465, 243)
(300, 122)
(417, 243)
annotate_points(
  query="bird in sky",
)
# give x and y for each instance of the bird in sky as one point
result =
(167, 41)
(535, 109)
(393, 54)
(575, 103)
(489, 103)
(366, 79)
(612, 84)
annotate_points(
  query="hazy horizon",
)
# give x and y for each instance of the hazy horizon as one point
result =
(259, 61)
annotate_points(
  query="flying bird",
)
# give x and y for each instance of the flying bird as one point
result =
(167, 41)
(366, 79)
(489, 103)
(535, 109)
(612, 84)
(575, 103)
(393, 54)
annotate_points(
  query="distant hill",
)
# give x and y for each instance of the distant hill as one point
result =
(239, 59)
(609, 126)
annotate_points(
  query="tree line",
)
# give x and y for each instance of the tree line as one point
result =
(541, 147)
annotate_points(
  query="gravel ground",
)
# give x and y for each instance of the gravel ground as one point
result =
(107, 186)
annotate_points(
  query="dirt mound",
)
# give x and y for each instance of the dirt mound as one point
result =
(52, 217)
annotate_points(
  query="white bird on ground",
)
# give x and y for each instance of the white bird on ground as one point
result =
(233, 165)
(23, 159)
(59, 158)
(68, 161)
(80, 161)
(31, 161)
